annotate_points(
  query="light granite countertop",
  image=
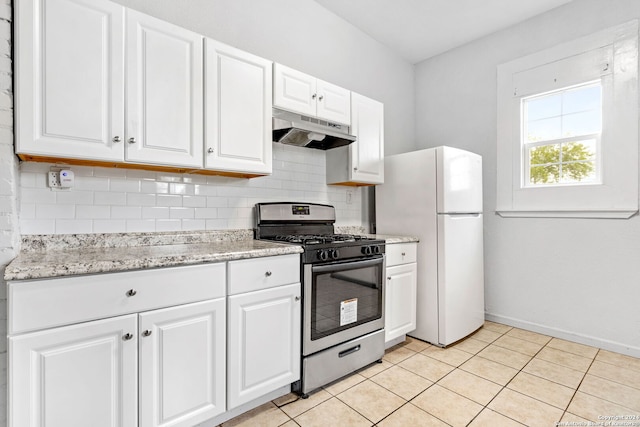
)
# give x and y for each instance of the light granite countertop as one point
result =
(47, 256)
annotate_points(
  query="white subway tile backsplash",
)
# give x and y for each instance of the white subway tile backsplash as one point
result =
(93, 212)
(108, 226)
(110, 200)
(52, 211)
(194, 201)
(168, 200)
(126, 212)
(181, 213)
(121, 184)
(74, 226)
(155, 212)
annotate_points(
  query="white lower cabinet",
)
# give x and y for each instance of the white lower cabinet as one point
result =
(152, 348)
(75, 376)
(263, 342)
(87, 374)
(182, 364)
(400, 293)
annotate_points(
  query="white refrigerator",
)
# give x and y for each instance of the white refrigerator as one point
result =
(436, 195)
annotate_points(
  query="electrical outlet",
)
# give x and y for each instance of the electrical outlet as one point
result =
(349, 197)
(54, 179)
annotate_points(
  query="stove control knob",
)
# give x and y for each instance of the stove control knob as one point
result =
(334, 253)
(323, 255)
(376, 250)
(367, 250)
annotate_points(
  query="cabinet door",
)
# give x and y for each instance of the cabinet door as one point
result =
(400, 300)
(238, 97)
(164, 93)
(75, 376)
(334, 103)
(294, 91)
(367, 152)
(264, 342)
(70, 78)
(182, 364)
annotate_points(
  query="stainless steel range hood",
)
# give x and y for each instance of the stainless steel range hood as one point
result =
(303, 131)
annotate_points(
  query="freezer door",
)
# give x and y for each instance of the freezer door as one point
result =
(460, 276)
(459, 175)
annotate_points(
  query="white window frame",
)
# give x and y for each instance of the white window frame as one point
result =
(610, 56)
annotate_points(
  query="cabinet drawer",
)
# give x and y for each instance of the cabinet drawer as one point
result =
(401, 253)
(38, 304)
(262, 273)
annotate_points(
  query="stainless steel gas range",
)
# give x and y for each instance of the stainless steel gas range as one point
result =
(342, 290)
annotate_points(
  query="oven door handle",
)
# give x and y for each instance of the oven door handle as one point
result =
(351, 264)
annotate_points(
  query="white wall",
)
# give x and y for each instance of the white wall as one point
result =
(578, 279)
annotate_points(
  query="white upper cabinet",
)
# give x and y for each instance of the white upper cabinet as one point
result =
(361, 162)
(238, 94)
(70, 78)
(304, 94)
(164, 93)
(73, 84)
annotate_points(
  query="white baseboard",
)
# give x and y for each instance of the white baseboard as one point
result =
(566, 335)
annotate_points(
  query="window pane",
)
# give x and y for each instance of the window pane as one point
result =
(582, 99)
(578, 151)
(544, 154)
(581, 123)
(542, 130)
(549, 174)
(543, 107)
(578, 172)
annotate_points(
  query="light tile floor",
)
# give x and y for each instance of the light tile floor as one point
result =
(499, 376)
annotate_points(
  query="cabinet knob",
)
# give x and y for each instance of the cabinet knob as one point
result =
(146, 333)
(210, 150)
(297, 298)
(313, 96)
(404, 253)
(389, 278)
(131, 292)
(268, 274)
(127, 337)
(355, 169)
(320, 97)
(116, 139)
(132, 140)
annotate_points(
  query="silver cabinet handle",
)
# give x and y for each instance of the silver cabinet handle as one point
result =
(321, 97)
(132, 140)
(116, 139)
(268, 274)
(210, 150)
(313, 96)
(131, 292)
(127, 337)
(146, 333)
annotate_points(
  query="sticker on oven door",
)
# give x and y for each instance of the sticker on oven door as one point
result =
(348, 311)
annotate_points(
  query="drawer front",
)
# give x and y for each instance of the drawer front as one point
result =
(401, 253)
(262, 273)
(39, 304)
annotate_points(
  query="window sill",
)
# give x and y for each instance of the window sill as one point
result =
(612, 214)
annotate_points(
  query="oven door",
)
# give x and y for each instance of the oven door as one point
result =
(342, 301)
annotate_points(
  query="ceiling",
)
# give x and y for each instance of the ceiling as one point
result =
(420, 29)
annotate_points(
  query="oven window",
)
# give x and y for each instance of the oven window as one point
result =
(345, 298)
